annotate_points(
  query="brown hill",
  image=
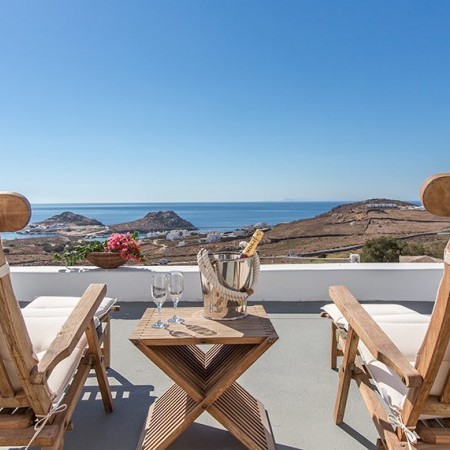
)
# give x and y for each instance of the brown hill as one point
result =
(353, 224)
(155, 221)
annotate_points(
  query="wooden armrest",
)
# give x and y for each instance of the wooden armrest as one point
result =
(72, 330)
(376, 340)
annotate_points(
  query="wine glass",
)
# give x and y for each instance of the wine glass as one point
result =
(176, 286)
(160, 283)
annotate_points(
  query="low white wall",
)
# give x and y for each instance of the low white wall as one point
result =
(279, 282)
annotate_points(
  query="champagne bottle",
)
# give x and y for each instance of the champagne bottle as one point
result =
(250, 248)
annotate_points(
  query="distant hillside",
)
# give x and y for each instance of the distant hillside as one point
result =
(352, 224)
(373, 204)
(155, 221)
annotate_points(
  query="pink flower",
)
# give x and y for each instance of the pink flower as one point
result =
(126, 245)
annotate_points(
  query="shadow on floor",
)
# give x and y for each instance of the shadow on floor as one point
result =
(203, 437)
(121, 429)
(357, 436)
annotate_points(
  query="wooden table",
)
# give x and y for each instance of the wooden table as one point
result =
(206, 380)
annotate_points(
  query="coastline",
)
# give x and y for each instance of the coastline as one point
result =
(214, 216)
(335, 233)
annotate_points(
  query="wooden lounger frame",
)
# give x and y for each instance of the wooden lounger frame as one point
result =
(20, 407)
(434, 434)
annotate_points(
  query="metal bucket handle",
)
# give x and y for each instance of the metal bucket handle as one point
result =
(205, 266)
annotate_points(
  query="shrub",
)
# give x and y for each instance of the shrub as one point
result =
(382, 249)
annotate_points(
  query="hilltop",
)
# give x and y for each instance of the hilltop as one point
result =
(155, 221)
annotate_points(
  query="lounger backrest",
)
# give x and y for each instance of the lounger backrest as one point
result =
(17, 360)
(433, 359)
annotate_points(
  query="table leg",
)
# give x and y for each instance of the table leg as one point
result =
(206, 382)
(245, 417)
(167, 418)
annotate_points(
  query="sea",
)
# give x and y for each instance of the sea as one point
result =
(221, 216)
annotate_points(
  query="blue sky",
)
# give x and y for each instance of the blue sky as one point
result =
(187, 100)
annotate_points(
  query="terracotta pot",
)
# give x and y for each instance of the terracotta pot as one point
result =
(106, 260)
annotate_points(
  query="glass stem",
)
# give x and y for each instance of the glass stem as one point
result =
(175, 304)
(159, 312)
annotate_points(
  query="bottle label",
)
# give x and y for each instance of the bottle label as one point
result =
(250, 249)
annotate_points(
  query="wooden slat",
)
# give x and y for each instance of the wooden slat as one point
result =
(236, 370)
(244, 417)
(334, 349)
(377, 412)
(18, 401)
(434, 407)
(96, 354)
(445, 395)
(433, 434)
(6, 389)
(170, 368)
(21, 437)
(165, 423)
(345, 374)
(198, 330)
(12, 418)
(226, 362)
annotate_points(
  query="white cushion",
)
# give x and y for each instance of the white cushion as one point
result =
(386, 312)
(44, 318)
(55, 303)
(42, 332)
(407, 338)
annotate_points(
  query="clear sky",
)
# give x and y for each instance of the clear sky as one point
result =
(212, 100)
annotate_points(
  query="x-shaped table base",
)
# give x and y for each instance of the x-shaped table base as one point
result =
(206, 381)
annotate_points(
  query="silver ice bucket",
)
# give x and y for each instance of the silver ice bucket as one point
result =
(234, 274)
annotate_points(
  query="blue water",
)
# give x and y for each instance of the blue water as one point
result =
(205, 216)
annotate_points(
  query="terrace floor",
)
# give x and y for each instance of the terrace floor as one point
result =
(292, 379)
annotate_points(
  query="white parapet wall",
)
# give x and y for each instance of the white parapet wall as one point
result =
(278, 282)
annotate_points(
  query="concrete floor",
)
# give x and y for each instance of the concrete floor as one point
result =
(292, 379)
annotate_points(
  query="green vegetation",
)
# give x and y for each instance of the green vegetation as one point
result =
(382, 249)
(53, 248)
(388, 249)
(73, 254)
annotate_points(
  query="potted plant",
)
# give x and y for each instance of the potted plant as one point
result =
(109, 254)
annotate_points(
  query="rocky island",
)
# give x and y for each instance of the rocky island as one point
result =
(154, 221)
(66, 224)
(75, 225)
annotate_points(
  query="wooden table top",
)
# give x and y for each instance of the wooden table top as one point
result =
(196, 329)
